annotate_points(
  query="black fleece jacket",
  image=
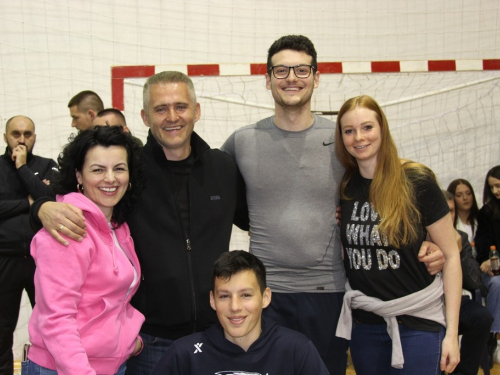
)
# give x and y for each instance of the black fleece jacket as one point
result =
(15, 186)
(177, 270)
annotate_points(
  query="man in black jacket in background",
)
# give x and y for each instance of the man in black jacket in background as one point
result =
(24, 177)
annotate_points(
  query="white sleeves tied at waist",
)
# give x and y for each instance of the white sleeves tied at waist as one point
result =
(426, 303)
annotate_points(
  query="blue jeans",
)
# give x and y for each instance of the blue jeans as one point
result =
(31, 368)
(145, 362)
(371, 350)
(474, 325)
(493, 299)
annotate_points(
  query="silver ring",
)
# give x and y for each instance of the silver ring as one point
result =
(60, 228)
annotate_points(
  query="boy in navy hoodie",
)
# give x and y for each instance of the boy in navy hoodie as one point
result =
(243, 342)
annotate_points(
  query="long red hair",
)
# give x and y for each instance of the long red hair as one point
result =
(391, 191)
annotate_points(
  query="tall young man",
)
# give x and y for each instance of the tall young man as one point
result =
(292, 179)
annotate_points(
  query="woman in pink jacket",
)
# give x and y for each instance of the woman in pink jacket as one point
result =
(83, 322)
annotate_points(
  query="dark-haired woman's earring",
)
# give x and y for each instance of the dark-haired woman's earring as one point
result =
(129, 185)
(79, 188)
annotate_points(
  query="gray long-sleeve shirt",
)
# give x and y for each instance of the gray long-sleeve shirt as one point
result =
(292, 182)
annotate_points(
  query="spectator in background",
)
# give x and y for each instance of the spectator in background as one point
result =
(113, 117)
(466, 207)
(83, 108)
(488, 230)
(474, 320)
(24, 177)
(488, 234)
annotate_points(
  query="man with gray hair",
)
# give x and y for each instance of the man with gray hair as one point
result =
(181, 223)
(25, 177)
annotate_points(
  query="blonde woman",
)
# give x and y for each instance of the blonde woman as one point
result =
(388, 208)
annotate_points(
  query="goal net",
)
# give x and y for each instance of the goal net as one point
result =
(448, 121)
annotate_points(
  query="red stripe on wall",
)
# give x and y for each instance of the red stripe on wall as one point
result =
(203, 70)
(119, 73)
(132, 71)
(442, 65)
(385, 66)
(330, 67)
(258, 69)
(491, 64)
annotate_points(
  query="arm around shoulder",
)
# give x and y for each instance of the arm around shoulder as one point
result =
(59, 218)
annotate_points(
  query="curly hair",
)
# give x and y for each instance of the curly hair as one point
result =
(73, 156)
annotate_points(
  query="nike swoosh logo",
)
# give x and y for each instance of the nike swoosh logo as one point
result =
(328, 144)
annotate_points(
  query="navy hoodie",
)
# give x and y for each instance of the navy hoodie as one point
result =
(278, 351)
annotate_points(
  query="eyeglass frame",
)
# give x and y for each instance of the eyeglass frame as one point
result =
(290, 67)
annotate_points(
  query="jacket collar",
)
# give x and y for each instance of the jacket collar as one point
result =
(198, 146)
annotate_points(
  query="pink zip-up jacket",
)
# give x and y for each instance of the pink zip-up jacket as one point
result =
(83, 322)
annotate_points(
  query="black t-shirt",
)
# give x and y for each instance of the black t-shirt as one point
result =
(375, 267)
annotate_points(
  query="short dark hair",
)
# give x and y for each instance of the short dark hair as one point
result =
(488, 197)
(298, 43)
(86, 100)
(233, 262)
(73, 155)
(474, 210)
(112, 111)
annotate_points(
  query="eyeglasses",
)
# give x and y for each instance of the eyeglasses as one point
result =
(282, 71)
